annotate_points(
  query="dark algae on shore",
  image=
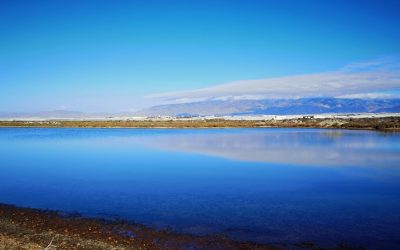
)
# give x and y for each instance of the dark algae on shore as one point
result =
(27, 228)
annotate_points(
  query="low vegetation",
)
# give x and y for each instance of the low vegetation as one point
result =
(386, 123)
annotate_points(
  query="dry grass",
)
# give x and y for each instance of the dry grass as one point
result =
(11, 243)
(386, 123)
(14, 236)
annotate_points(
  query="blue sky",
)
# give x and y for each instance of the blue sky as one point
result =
(109, 55)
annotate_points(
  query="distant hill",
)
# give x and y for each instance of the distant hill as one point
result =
(45, 114)
(276, 107)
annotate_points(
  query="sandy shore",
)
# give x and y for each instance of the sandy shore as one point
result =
(381, 123)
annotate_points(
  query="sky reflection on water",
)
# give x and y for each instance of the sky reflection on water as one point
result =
(322, 148)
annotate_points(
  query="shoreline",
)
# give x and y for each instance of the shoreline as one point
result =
(30, 228)
(381, 123)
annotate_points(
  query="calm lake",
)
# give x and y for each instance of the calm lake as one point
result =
(264, 185)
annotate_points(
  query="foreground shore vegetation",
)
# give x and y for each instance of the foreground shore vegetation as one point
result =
(26, 228)
(384, 123)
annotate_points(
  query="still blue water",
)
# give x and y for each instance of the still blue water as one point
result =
(264, 185)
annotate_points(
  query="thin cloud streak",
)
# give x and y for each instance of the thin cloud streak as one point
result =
(357, 79)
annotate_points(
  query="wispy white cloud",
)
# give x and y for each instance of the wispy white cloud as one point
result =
(371, 95)
(391, 63)
(360, 78)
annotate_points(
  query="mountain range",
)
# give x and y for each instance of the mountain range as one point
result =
(234, 107)
(276, 107)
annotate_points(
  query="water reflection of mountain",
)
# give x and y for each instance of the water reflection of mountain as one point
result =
(300, 147)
